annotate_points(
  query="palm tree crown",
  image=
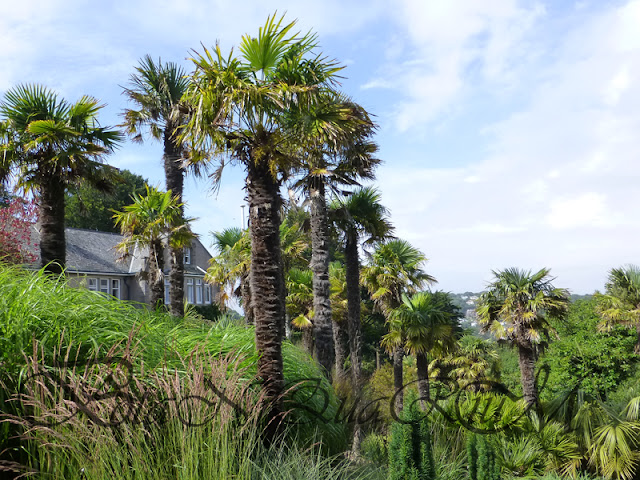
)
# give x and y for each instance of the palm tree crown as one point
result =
(156, 89)
(147, 222)
(395, 269)
(621, 302)
(361, 215)
(231, 264)
(425, 323)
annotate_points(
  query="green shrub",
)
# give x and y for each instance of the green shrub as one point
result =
(410, 455)
(481, 458)
(374, 448)
(209, 312)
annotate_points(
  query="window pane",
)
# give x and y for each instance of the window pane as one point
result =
(187, 256)
(167, 297)
(207, 293)
(115, 288)
(104, 285)
(93, 284)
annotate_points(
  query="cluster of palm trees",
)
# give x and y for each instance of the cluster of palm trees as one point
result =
(275, 110)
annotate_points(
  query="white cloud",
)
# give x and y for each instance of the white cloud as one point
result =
(447, 38)
(557, 185)
(585, 210)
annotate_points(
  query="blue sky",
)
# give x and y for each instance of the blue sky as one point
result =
(509, 129)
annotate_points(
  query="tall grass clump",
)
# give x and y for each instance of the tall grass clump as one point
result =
(201, 422)
(45, 324)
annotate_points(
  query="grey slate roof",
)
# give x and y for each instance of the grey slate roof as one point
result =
(91, 251)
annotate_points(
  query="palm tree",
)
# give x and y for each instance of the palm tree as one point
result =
(395, 269)
(516, 309)
(231, 266)
(146, 223)
(425, 324)
(239, 108)
(359, 216)
(334, 132)
(50, 143)
(621, 302)
(156, 89)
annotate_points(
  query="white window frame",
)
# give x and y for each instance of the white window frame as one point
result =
(92, 284)
(199, 291)
(207, 294)
(187, 256)
(115, 287)
(190, 290)
(104, 286)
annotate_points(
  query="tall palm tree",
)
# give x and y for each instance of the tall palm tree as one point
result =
(146, 223)
(239, 107)
(334, 131)
(51, 143)
(360, 217)
(621, 302)
(395, 269)
(516, 308)
(425, 324)
(156, 90)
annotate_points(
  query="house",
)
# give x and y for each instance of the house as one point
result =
(94, 262)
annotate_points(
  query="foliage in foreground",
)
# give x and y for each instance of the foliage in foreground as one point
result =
(168, 425)
(36, 309)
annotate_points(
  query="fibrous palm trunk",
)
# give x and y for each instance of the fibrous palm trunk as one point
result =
(52, 237)
(398, 358)
(247, 307)
(156, 277)
(353, 307)
(340, 341)
(174, 176)
(321, 285)
(266, 282)
(527, 362)
(422, 364)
